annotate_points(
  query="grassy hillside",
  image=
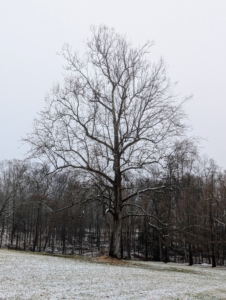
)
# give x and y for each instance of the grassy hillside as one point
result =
(34, 276)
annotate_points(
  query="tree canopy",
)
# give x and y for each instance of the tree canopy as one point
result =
(115, 115)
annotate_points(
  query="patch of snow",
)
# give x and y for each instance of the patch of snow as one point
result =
(33, 276)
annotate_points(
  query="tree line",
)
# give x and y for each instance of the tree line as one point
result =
(181, 219)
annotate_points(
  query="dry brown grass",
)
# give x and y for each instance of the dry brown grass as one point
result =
(110, 260)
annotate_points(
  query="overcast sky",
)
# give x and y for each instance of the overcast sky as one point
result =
(189, 34)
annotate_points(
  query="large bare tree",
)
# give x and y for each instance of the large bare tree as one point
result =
(115, 115)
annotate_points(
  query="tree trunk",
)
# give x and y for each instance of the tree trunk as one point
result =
(122, 249)
(2, 231)
(63, 239)
(160, 250)
(146, 239)
(166, 260)
(128, 240)
(190, 255)
(115, 243)
(213, 261)
(213, 248)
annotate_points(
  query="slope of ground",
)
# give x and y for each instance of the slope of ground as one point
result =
(32, 276)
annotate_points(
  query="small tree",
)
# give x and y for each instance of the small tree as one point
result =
(115, 116)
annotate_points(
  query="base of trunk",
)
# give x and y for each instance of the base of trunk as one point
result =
(115, 243)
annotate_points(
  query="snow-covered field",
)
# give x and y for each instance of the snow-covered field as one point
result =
(33, 276)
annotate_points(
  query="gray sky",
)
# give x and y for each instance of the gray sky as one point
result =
(189, 34)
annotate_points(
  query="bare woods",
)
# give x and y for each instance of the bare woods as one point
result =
(60, 213)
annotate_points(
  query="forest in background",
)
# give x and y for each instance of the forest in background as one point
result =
(183, 220)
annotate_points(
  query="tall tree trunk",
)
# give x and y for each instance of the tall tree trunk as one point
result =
(190, 255)
(115, 243)
(166, 260)
(122, 249)
(160, 250)
(2, 231)
(213, 261)
(63, 237)
(128, 240)
(146, 240)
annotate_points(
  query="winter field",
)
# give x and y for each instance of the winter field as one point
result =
(35, 276)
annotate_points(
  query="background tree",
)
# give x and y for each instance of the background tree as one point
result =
(12, 188)
(115, 115)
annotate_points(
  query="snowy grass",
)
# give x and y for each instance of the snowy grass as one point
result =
(33, 276)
